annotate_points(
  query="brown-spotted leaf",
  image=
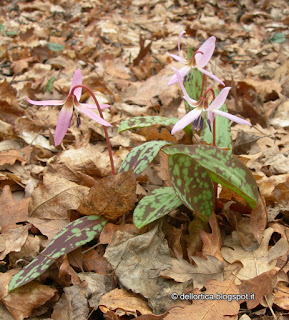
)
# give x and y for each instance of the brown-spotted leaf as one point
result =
(111, 196)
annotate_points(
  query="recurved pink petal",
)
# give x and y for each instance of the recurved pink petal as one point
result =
(76, 80)
(220, 99)
(231, 117)
(91, 114)
(190, 101)
(179, 42)
(182, 72)
(46, 102)
(178, 58)
(186, 120)
(63, 124)
(207, 48)
(212, 76)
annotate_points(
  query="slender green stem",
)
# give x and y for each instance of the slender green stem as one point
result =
(104, 127)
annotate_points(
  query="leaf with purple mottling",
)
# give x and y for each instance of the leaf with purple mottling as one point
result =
(154, 206)
(141, 156)
(222, 168)
(142, 122)
(74, 235)
(192, 183)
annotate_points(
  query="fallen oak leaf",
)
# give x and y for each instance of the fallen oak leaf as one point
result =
(22, 301)
(126, 303)
(254, 262)
(52, 198)
(111, 197)
(204, 270)
(10, 157)
(259, 286)
(212, 242)
(215, 306)
(13, 211)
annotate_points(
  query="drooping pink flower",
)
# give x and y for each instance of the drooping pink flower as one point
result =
(199, 60)
(201, 108)
(71, 102)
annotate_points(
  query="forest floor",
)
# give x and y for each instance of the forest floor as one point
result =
(121, 48)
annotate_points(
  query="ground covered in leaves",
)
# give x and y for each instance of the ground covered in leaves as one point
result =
(122, 50)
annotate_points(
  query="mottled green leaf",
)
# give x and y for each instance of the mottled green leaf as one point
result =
(142, 122)
(74, 235)
(141, 156)
(2, 27)
(154, 206)
(223, 130)
(192, 183)
(55, 46)
(193, 83)
(223, 168)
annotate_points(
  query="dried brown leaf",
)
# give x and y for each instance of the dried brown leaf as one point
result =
(124, 303)
(111, 196)
(13, 211)
(254, 262)
(21, 301)
(209, 309)
(260, 286)
(54, 197)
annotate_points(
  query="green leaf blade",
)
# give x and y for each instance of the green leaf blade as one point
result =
(154, 206)
(74, 235)
(223, 130)
(192, 184)
(143, 122)
(141, 156)
(223, 167)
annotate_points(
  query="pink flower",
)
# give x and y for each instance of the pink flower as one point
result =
(201, 107)
(199, 60)
(72, 101)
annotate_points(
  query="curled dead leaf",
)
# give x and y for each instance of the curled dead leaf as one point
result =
(111, 197)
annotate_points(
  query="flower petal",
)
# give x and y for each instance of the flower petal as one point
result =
(231, 117)
(178, 58)
(211, 76)
(63, 124)
(191, 102)
(93, 106)
(182, 72)
(46, 102)
(186, 120)
(210, 116)
(91, 114)
(76, 80)
(220, 99)
(179, 42)
(208, 48)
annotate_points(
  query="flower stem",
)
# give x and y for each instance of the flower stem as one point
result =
(104, 127)
(215, 183)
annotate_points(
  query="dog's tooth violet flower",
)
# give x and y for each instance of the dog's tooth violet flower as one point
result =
(197, 115)
(71, 102)
(199, 60)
